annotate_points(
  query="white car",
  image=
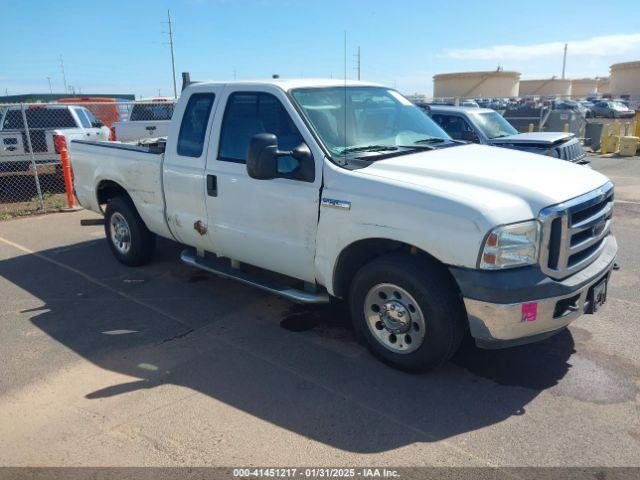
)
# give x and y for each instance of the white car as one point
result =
(50, 127)
(148, 119)
(351, 191)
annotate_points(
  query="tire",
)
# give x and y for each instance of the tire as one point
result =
(433, 319)
(128, 237)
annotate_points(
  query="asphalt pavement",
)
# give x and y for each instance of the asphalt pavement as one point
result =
(105, 365)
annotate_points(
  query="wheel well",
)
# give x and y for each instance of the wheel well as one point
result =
(359, 253)
(108, 189)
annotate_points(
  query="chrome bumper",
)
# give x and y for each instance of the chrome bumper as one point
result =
(496, 325)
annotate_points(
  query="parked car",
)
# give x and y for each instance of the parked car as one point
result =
(426, 237)
(574, 105)
(148, 119)
(51, 127)
(487, 127)
(611, 109)
(104, 109)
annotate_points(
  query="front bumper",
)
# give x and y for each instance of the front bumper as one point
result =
(524, 305)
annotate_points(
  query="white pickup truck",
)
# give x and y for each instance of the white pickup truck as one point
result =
(314, 189)
(49, 127)
(148, 119)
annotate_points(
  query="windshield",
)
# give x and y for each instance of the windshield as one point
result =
(493, 125)
(376, 118)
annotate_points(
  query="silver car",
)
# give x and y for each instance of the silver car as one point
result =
(611, 109)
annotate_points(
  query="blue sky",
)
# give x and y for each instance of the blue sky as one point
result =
(119, 46)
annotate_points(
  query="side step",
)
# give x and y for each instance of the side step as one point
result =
(190, 258)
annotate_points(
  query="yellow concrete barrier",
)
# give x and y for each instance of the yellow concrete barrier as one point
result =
(604, 139)
(628, 146)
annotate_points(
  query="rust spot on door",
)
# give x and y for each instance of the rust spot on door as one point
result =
(200, 227)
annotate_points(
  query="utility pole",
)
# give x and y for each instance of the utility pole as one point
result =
(173, 58)
(564, 60)
(49, 80)
(64, 77)
(358, 62)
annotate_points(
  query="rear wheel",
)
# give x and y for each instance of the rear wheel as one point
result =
(408, 311)
(128, 237)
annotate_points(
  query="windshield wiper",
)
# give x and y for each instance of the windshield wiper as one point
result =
(368, 148)
(431, 140)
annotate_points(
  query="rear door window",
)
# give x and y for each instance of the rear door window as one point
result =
(194, 124)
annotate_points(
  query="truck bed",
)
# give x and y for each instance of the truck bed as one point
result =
(135, 168)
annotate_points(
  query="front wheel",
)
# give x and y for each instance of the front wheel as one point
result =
(128, 237)
(408, 311)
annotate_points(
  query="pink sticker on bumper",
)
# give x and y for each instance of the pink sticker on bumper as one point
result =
(530, 312)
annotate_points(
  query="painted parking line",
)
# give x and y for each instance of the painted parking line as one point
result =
(312, 380)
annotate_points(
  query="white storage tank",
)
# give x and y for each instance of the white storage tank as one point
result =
(625, 79)
(548, 87)
(604, 85)
(498, 83)
(584, 87)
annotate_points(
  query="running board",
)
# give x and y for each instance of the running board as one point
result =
(190, 258)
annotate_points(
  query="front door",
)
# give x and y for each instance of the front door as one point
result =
(268, 223)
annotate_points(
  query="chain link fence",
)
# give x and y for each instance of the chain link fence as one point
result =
(32, 136)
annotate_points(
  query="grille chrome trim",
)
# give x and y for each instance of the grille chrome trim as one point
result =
(556, 253)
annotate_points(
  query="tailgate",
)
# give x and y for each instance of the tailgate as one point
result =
(139, 130)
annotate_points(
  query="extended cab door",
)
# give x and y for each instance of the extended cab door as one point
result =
(268, 223)
(183, 166)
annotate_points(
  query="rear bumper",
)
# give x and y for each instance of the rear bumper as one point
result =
(523, 305)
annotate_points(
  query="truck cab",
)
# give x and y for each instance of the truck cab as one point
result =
(317, 189)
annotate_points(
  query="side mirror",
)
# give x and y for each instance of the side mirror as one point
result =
(263, 154)
(97, 124)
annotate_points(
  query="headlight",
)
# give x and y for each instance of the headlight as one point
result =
(553, 152)
(512, 245)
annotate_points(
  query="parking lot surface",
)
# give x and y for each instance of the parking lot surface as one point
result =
(165, 365)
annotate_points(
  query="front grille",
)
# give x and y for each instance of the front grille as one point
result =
(571, 151)
(574, 232)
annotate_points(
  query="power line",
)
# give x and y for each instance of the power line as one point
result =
(49, 80)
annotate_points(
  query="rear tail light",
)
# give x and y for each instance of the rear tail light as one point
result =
(59, 143)
(112, 134)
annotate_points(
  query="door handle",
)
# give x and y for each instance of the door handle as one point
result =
(212, 185)
(150, 128)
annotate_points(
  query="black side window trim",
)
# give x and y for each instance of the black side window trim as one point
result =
(193, 98)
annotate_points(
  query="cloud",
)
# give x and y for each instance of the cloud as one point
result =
(604, 46)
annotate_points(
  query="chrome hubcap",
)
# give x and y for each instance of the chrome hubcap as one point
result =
(394, 318)
(120, 233)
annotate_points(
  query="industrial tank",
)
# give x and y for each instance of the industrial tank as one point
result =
(604, 85)
(625, 79)
(476, 84)
(584, 87)
(549, 87)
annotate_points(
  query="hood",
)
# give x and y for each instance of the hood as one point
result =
(534, 138)
(490, 178)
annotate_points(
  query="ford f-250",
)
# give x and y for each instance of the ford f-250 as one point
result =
(319, 189)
